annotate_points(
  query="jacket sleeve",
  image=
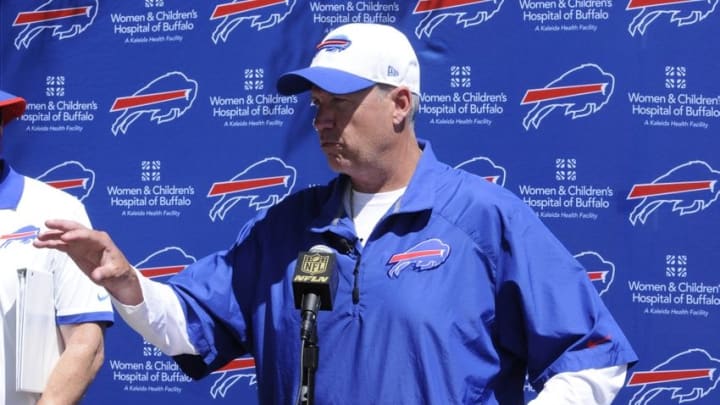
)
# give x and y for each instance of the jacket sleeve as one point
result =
(549, 314)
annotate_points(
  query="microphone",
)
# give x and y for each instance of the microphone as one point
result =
(314, 285)
(342, 245)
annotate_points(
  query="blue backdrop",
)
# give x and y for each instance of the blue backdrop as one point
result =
(163, 118)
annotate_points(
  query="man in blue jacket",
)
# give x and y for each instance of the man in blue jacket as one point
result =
(450, 290)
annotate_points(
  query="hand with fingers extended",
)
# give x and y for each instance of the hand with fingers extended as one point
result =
(97, 256)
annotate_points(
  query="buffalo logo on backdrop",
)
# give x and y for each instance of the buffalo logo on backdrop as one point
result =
(686, 189)
(24, 235)
(465, 12)
(426, 255)
(485, 168)
(600, 271)
(581, 91)
(164, 99)
(71, 177)
(679, 12)
(165, 262)
(263, 184)
(683, 378)
(261, 14)
(63, 22)
(229, 374)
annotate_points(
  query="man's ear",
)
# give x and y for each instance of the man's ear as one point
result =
(402, 98)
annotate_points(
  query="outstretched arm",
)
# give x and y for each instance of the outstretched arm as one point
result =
(157, 315)
(96, 255)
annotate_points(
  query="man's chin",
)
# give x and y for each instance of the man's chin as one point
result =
(336, 163)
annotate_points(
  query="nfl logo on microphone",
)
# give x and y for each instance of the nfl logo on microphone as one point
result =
(315, 264)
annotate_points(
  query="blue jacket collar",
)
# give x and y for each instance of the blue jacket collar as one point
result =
(418, 196)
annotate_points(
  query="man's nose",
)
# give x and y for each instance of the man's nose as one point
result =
(323, 119)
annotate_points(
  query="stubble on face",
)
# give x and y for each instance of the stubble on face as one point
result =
(346, 125)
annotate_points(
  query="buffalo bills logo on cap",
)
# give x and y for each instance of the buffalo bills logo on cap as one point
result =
(426, 255)
(336, 44)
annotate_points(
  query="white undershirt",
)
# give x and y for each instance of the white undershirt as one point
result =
(366, 209)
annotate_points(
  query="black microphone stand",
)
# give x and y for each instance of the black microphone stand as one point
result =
(309, 352)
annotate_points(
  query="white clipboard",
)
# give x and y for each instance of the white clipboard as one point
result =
(38, 340)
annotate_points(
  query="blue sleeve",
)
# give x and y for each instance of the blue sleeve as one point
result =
(548, 312)
(216, 305)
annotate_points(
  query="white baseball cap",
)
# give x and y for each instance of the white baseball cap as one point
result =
(353, 57)
(11, 107)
